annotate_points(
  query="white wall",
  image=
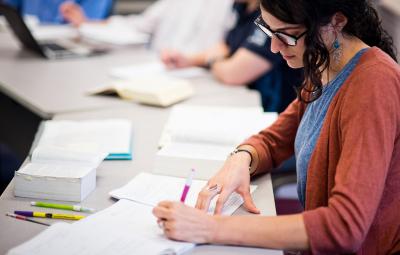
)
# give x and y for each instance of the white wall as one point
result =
(390, 14)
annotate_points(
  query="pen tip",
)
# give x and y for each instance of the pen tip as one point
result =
(33, 203)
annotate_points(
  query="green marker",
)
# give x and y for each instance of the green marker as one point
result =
(76, 208)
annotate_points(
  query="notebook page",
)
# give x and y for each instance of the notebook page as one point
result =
(150, 189)
(124, 228)
(216, 125)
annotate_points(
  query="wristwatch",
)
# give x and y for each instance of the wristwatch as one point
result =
(211, 61)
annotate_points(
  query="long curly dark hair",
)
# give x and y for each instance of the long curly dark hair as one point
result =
(363, 22)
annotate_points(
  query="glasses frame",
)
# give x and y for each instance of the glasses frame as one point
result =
(280, 35)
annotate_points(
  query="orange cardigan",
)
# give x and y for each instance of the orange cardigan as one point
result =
(353, 180)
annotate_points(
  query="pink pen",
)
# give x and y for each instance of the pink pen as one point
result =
(187, 186)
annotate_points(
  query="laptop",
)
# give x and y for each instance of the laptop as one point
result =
(47, 49)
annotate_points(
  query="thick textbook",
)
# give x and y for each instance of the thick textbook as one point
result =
(202, 137)
(156, 90)
(66, 154)
(58, 174)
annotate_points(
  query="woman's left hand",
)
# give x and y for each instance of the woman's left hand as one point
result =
(184, 223)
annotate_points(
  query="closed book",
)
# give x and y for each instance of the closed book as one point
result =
(66, 182)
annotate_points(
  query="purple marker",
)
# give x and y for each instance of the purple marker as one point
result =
(187, 186)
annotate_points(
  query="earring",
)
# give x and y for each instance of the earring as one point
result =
(337, 51)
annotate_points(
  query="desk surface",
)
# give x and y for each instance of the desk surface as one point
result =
(148, 123)
(48, 87)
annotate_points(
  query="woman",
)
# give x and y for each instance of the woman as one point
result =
(243, 59)
(343, 128)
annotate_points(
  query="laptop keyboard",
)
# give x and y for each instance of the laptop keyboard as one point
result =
(54, 47)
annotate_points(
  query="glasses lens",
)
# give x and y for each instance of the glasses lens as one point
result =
(286, 39)
(265, 30)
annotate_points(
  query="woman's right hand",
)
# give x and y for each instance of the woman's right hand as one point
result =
(233, 176)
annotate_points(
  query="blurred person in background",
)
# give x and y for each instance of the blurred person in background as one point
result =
(62, 11)
(244, 58)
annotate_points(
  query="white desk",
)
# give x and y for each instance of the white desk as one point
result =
(54, 88)
(147, 127)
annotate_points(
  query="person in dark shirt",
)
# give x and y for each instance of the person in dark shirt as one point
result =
(244, 58)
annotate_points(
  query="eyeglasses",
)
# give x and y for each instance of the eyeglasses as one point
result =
(289, 40)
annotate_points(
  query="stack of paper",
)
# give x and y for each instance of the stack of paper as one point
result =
(64, 161)
(127, 227)
(59, 174)
(67, 181)
(202, 137)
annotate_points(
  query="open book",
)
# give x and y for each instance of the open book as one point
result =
(202, 137)
(111, 136)
(155, 90)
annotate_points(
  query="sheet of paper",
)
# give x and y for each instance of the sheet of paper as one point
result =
(154, 68)
(124, 228)
(55, 170)
(150, 189)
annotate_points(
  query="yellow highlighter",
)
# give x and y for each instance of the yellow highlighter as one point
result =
(50, 215)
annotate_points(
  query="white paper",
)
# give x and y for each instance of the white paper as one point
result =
(54, 32)
(113, 32)
(124, 228)
(54, 170)
(154, 68)
(150, 189)
(227, 126)
(79, 156)
(197, 151)
(111, 135)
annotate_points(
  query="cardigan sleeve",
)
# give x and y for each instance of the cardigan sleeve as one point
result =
(276, 143)
(368, 122)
